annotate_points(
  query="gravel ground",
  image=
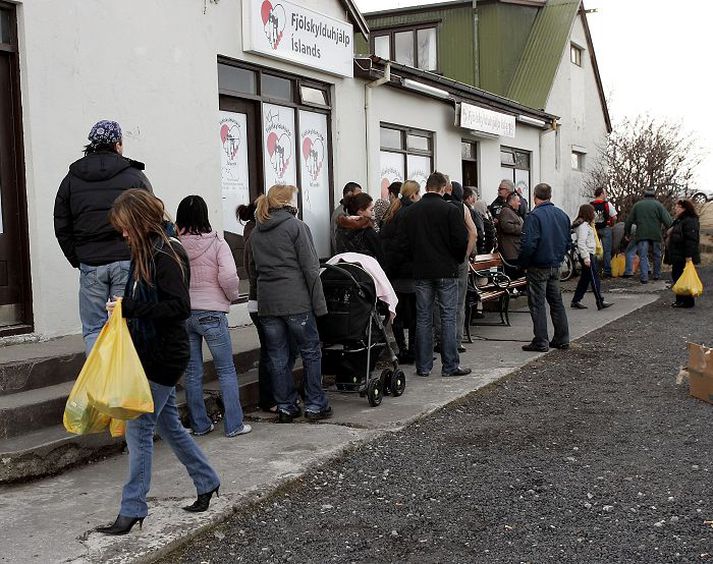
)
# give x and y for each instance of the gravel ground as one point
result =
(587, 455)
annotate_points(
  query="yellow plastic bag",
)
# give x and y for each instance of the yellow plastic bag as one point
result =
(618, 265)
(119, 387)
(598, 249)
(117, 428)
(688, 284)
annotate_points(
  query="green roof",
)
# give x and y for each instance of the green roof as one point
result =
(536, 72)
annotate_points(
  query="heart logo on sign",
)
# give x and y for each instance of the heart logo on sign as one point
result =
(273, 21)
(280, 150)
(230, 138)
(313, 152)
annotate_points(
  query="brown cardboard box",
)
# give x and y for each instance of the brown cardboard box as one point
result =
(700, 372)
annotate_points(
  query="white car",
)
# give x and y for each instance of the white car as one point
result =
(701, 195)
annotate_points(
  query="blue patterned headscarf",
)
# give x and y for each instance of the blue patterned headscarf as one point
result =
(104, 132)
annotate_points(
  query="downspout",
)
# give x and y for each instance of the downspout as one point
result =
(476, 49)
(368, 87)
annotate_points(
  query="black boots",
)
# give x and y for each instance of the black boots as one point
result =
(121, 526)
(201, 504)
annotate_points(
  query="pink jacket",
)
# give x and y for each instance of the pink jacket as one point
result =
(214, 280)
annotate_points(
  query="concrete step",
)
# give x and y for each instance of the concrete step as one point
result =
(51, 449)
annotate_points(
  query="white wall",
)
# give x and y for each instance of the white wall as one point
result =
(151, 66)
(574, 97)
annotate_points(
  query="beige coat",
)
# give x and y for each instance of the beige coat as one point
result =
(509, 231)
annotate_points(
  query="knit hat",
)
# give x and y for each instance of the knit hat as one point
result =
(104, 132)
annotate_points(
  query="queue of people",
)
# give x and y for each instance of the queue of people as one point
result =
(177, 282)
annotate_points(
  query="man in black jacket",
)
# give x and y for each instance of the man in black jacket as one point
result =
(81, 222)
(437, 242)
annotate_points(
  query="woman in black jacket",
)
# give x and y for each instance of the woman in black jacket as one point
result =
(683, 245)
(399, 269)
(355, 231)
(156, 303)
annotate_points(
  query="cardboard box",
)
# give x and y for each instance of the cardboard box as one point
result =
(700, 372)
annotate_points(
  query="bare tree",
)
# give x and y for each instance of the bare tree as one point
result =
(646, 153)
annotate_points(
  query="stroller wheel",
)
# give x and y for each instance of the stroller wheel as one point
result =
(386, 376)
(398, 383)
(375, 392)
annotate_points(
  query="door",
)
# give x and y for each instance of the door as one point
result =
(15, 304)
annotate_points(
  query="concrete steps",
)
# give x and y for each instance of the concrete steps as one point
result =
(35, 380)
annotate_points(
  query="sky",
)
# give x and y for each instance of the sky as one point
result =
(652, 58)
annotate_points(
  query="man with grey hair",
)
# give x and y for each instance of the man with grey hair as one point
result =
(545, 240)
(506, 187)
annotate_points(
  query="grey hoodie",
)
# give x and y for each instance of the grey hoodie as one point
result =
(287, 267)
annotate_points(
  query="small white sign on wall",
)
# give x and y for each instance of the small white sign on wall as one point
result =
(289, 31)
(481, 119)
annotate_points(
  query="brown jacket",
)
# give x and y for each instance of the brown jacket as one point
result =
(509, 231)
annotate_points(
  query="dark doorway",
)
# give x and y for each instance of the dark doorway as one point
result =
(469, 158)
(15, 294)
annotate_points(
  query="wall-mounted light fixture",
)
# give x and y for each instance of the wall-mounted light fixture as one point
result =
(425, 88)
(532, 121)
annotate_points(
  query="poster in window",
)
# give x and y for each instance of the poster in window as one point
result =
(314, 178)
(279, 149)
(522, 183)
(419, 169)
(391, 170)
(235, 186)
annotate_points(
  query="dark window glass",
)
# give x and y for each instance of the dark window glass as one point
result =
(391, 138)
(276, 87)
(235, 79)
(467, 150)
(313, 95)
(5, 26)
(522, 160)
(507, 158)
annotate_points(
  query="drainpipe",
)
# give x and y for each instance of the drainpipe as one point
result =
(368, 87)
(476, 49)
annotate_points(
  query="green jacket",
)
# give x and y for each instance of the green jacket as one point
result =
(648, 215)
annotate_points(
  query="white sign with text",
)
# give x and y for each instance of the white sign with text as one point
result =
(314, 178)
(235, 186)
(481, 119)
(286, 30)
(279, 145)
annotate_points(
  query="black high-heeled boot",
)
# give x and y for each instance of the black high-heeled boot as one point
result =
(122, 525)
(201, 504)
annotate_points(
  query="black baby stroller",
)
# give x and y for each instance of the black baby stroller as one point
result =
(353, 334)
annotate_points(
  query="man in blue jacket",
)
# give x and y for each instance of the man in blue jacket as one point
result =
(545, 240)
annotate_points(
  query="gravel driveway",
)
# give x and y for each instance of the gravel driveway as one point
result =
(587, 455)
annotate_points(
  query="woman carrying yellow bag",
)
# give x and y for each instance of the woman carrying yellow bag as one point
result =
(682, 252)
(156, 304)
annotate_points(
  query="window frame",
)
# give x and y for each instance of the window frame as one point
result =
(576, 54)
(581, 156)
(405, 131)
(414, 28)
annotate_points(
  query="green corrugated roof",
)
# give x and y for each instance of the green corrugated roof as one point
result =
(536, 72)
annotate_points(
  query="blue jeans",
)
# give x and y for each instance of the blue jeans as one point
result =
(643, 249)
(630, 253)
(543, 284)
(605, 236)
(444, 292)
(139, 440)
(96, 285)
(303, 329)
(213, 327)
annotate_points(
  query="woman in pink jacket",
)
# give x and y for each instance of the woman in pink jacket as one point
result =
(214, 285)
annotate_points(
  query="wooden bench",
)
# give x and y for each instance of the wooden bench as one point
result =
(487, 282)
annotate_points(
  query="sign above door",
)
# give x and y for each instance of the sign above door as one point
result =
(288, 31)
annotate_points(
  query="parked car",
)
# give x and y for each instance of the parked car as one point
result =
(701, 195)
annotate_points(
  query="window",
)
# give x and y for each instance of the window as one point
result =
(5, 26)
(236, 80)
(276, 87)
(469, 163)
(413, 47)
(577, 160)
(406, 154)
(515, 166)
(312, 95)
(575, 54)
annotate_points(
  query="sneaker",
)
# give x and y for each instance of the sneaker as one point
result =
(244, 430)
(460, 371)
(578, 305)
(202, 433)
(284, 416)
(461, 349)
(317, 415)
(534, 348)
(644, 281)
(604, 305)
(560, 346)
